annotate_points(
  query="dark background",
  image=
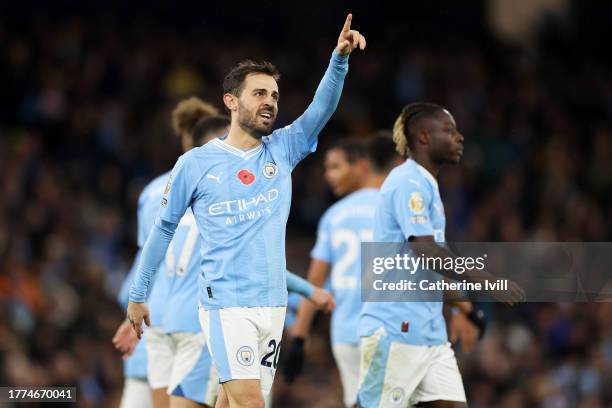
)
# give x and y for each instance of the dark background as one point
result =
(85, 96)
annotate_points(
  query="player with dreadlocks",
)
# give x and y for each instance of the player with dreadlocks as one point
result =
(406, 358)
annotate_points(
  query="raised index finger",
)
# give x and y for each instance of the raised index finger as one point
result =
(347, 23)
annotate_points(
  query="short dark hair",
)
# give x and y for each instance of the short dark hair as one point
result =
(353, 148)
(381, 151)
(234, 80)
(207, 125)
(403, 130)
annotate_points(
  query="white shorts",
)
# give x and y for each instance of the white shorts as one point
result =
(401, 375)
(136, 393)
(193, 375)
(347, 360)
(244, 342)
(160, 354)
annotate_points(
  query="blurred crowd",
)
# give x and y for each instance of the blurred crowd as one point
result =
(85, 123)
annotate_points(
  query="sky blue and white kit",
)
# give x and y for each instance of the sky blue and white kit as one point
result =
(405, 354)
(240, 200)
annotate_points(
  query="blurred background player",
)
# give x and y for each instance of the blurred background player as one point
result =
(241, 215)
(355, 170)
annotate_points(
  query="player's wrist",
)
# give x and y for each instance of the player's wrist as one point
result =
(136, 296)
(338, 57)
(310, 291)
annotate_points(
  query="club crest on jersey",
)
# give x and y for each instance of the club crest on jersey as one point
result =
(270, 170)
(397, 395)
(245, 356)
(416, 202)
(246, 177)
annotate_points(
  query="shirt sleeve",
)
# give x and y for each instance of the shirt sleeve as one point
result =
(411, 206)
(299, 285)
(151, 257)
(299, 139)
(322, 249)
(180, 189)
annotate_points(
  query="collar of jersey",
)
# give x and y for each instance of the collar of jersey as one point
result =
(245, 154)
(426, 174)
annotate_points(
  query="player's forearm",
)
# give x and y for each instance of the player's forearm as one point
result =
(299, 285)
(152, 255)
(318, 271)
(326, 97)
(303, 320)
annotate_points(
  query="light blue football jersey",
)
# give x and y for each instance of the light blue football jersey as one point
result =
(136, 365)
(182, 263)
(240, 200)
(148, 205)
(183, 266)
(341, 230)
(409, 205)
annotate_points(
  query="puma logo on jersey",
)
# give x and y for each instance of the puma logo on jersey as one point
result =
(210, 176)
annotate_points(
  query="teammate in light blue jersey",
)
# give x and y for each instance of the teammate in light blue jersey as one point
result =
(164, 363)
(413, 187)
(192, 377)
(180, 362)
(159, 365)
(405, 355)
(147, 210)
(354, 169)
(239, 190)
(134, 352)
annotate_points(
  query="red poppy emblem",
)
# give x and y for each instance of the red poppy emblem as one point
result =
(246, 177)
